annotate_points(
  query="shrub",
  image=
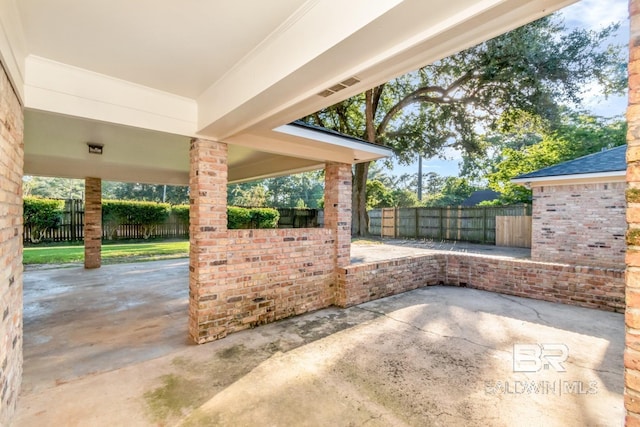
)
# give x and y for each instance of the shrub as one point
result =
(265, 217)
(181, 212)
(256, 217)
(238, 217)
(41, 215)
(147, 214)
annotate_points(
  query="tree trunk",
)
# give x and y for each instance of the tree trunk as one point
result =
(360, 219)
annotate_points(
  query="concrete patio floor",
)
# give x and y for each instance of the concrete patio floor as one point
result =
(108, 347)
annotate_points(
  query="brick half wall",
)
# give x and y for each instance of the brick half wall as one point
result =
(585, 286)
(580, 224)
(267, 275)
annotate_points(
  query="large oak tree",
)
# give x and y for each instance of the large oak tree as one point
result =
(535, 69)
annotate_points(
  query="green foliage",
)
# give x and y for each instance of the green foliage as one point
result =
(41, 215)
(577, 135)
(145, 192)
(247, 194)
(280, 192)
(135, 212)
(454, 191)
(52, 188)
(381, 196)
(64, 188)
(265, 217)
(111, 253)
(181, 212)
(378, 195)
(238, 217)
(147, 214)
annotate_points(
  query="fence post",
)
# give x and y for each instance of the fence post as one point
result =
(484, 224)
(441, 223)
(395, 223)
(417, 222)
(72, 213)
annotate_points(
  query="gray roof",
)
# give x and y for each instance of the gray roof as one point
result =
(613, 160)
(480, 196)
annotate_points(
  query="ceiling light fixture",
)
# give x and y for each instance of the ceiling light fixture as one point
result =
(95, 148)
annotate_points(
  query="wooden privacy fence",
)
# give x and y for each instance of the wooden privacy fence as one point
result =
(513, 231)
(476, 224)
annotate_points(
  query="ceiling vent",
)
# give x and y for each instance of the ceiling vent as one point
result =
(338, 87)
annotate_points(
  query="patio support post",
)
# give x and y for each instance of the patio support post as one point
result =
(632, 277)
(208, 239)
(92, 222)
(337, 209)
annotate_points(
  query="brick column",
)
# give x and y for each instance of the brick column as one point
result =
(92, 222)
(11, 171)
(337, 209)
(632, 312)
(208, 239)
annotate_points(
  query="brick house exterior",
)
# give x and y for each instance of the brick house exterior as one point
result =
(11, 163)
(579, 210)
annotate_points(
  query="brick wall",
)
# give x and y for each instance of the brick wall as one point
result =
(242, 278)
(360, 283)
(632, 312)
(92, 222)
(11, 171)
(593, 287)
(580, 224)
(273, 274)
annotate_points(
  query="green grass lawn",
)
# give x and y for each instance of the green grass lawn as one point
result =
(111, 253)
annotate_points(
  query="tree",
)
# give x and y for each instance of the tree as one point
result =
(283, 192)
(171, 194)
(449, 103)
(53, 188)
(577, 135)
(454, 191)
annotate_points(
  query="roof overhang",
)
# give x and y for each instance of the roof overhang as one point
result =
(223, 71)
(586, 178)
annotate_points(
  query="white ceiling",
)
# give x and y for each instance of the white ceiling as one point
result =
(137, 73)
(180, 47)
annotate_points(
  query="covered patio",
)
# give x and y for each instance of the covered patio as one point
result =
(433, 356)
(181, 93)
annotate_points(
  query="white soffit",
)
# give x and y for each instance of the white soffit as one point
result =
(246, 62)
(613, 176)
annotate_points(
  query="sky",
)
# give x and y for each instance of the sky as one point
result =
(591, 14)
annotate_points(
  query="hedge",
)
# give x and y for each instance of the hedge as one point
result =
(42, 214)
(181, 212)
(147, 214)
(252, 217)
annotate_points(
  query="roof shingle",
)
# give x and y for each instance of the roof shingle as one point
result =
(612, 160)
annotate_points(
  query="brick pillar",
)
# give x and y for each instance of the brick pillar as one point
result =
(92, 222)
(632, 312)
(337, 209)
(11, 171)
(208, 239)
